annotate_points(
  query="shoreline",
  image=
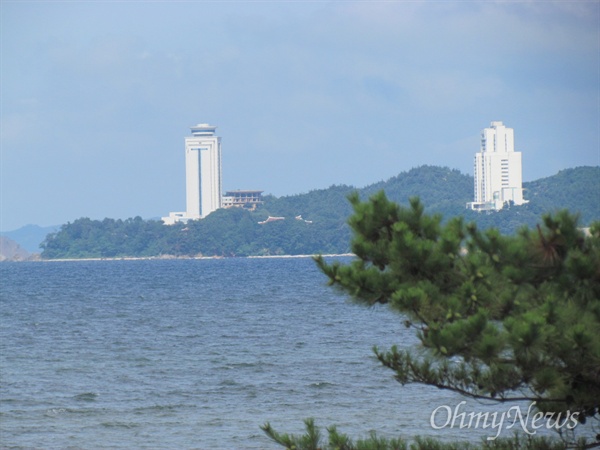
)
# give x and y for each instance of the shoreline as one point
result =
(171, 257)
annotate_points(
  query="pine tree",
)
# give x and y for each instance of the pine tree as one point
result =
(504, 318)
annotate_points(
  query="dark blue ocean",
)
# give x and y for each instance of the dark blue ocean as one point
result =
(195, 354)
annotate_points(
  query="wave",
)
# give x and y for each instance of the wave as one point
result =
(120, 424)
(321, 385)
(86, 397)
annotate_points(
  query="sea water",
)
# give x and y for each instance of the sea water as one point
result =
(196, 354)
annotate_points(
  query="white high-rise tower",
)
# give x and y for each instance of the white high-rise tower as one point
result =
(497, 170)
(202, 171)
(203, 187)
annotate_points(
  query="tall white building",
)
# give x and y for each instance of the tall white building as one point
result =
(497, 170)
(203, 186)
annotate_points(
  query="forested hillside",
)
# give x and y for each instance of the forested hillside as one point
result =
(578, 188)
(322, 227)
(442, 190)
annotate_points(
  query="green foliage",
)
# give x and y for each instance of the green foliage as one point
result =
(521, 312)
(225, 232)
(309, 441)
(443, 190)
(320, 205)
(502, 318)
(86, 238)
(505, 318)
(314, 440)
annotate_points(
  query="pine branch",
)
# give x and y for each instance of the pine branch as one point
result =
(407, 371)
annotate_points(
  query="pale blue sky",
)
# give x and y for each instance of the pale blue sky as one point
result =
(97, 97)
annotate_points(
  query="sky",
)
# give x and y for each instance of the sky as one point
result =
(98, 96)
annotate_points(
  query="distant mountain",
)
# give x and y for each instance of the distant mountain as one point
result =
(316, 222)
(11, 251)
(30, 237)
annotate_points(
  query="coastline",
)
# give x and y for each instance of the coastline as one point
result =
(172, 257)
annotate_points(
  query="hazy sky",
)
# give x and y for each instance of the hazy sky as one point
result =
(97, 97)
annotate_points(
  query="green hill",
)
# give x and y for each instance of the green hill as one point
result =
(576, 189)
(315, 222)
(445, 191)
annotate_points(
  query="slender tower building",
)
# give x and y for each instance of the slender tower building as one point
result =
(203, 186)
(497, 170)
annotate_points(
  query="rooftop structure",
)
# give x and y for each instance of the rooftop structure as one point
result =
(203, 129)
(242, 199)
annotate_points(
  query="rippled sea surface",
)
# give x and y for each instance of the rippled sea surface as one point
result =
(194, 354)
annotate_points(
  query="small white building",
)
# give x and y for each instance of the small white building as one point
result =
(203, 185)
(497, 170)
